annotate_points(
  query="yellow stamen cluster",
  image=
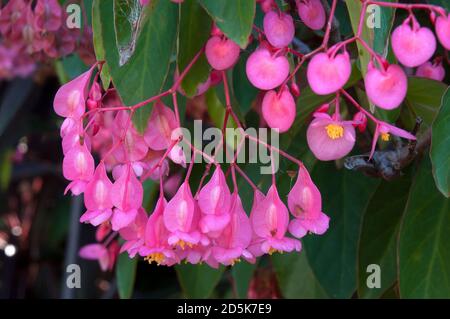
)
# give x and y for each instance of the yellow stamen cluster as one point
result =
(182, 244)
(158, 258)
(273, 250)
(385, 136)
(234, 261)
(334, 131)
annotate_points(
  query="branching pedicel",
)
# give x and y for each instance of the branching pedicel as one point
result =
(211, 226)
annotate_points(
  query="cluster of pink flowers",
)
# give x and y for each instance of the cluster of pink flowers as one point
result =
(31, 34)
(211, 226)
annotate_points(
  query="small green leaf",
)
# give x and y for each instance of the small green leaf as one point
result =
(198, 281)
(440, 147)
(333, 255)
(99, 47)
(233, 17)
(195, 27)
(424, 244)
(379, 233)
(125, 275)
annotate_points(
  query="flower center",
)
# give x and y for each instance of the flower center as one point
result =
(158, 258)
(273, 250)
(234, 261)
(334, 131)
(385, 136)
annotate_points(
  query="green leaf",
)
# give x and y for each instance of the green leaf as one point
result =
(440, 147)
(144, 74)
(333, 256)
(195, 27)
(125, 275)
(99, 48)
(381, 36)
(233, 17)
(243, 90)
(424, 98)
(5, 169)
(424, 244)
(242, 275)
(295, 277)
(379, 233)
(198, 281)
(128, 21)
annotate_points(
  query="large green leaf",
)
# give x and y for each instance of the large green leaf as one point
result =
(378, 240)
(128, 21)
(198, 281)
(233, 17)
(144, 74)
(424, 98)
(125, 275)
(333, 256)
(440, 147)
(424, 245)
(195, 26)
(295, 277)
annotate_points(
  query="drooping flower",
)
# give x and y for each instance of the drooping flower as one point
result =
(236, 237)
(97, 198)
(78, 167)
(106, 256)
(429, 70)
(181, 219)
(156, 247)
(442, 27)
(126, 195)
(384, 130)
(305, 204)
(266, 71)
(134, 233)
(48, 15)
(279, 110)
(327, 74)
(270, 221)
(330, 138)
(221, 52)
(70, 100)
(312, 13)
(162, 123)
(279, 28)
(214, 203)
(414, 45)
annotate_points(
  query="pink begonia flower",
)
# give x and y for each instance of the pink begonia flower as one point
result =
(162, 131)
(74, 137)
(442, 27)
(312, 13)
(236, 237)
(385, 130)
(270, 220)
(327, 74)
(221, 52)
(102, 231)
(134, 234)
(97, 198)
(329, 138)
(214, 202)
(156, 247)
(78, 167)
(279, 28)
(106, 256)
(133, 147)
(48, 15)
(70, 100)
(181, 219)
(13, 17)
(414, 45)
(265, 70)
(126, 194)
(433, 71)
(279, 110)
(305, 204)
